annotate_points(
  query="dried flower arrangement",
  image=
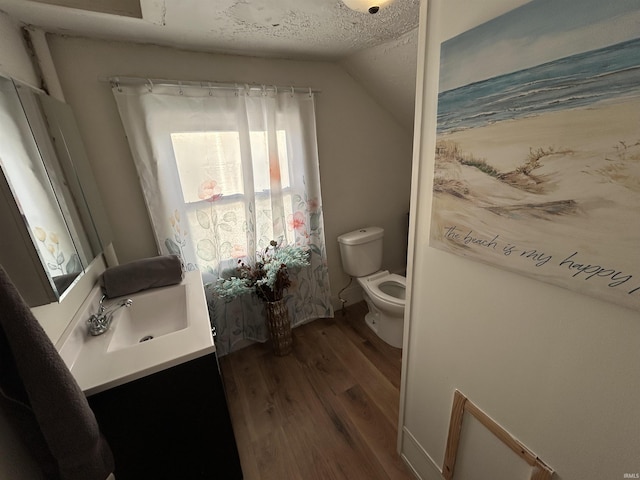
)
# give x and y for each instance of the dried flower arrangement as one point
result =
(268, 277)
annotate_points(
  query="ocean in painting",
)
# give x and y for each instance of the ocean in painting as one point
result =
(571, 82)
(538, 171)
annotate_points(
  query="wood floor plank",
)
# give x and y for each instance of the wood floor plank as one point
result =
(335, 434)
(273, 461)
(312, 461)
(326, 411)
(322, 446)
(258, 402)
(331, 371)
(371, 379)
(236, 412)
(285, 381)
(326, 446)
(379, 434)
(386, 358)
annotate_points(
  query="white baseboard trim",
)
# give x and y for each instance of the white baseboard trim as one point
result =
(417, 458)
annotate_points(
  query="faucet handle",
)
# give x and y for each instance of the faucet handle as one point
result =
(101, 307)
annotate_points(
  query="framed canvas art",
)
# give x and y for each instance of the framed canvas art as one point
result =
(537, 166)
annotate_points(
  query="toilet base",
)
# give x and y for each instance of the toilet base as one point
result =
(371, 321)
(389, 329)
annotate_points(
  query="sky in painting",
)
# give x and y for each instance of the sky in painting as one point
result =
(538, 32)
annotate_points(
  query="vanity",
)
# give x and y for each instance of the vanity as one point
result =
(152, 379)
(154, 384)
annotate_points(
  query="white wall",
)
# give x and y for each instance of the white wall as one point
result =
(388, 73)
(365, 155)
(556, 369)
(14, 59)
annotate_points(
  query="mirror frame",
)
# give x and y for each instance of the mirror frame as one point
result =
(59, 139)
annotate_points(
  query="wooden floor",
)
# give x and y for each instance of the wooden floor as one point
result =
(329, 410)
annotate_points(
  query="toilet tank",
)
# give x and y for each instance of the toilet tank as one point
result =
(361, 251)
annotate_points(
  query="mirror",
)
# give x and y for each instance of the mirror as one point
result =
(46, 205)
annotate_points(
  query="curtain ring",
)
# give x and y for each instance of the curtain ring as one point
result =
(210, 90)
(293, 91)
(310, 93)
(150, 88)
(264, 90)
(180, 85)
(237, 92)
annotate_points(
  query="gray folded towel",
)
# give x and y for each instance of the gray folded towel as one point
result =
(42, 400)
(141, 275)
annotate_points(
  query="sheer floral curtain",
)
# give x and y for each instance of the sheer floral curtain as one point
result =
(224, 171)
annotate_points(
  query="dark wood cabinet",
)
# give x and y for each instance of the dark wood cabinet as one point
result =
(173, 424)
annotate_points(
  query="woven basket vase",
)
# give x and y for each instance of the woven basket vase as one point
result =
(279, 327)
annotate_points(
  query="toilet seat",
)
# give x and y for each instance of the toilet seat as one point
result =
(386, 311)
(376, 283)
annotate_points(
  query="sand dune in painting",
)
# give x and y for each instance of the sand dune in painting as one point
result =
(527, 194)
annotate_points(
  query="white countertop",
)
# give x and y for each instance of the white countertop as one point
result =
(96, 369)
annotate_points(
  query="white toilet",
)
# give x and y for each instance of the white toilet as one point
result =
(384, 292)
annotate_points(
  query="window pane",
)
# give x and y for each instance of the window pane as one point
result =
(210, 168)
(208, 164)
(219, 232)
(260, 157)
(284, 159)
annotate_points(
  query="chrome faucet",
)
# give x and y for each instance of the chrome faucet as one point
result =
(101, 321)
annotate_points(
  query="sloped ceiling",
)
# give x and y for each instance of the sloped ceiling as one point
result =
(388, 73)
(378, 50)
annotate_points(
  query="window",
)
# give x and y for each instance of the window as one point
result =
(203, 157)
(212, 181)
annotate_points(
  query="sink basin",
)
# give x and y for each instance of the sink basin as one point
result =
(149, 317)
(176, 317)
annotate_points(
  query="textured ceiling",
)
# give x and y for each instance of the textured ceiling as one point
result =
(319, 29)
(379, 51)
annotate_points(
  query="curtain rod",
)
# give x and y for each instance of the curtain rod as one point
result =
(161, 82)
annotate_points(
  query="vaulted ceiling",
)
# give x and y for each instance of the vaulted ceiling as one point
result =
(379, 50)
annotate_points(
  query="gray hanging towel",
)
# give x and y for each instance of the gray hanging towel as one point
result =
(43, 401)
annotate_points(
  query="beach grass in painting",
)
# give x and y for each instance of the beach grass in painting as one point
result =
(538, 171)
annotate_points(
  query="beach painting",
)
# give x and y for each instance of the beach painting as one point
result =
(537, 162)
